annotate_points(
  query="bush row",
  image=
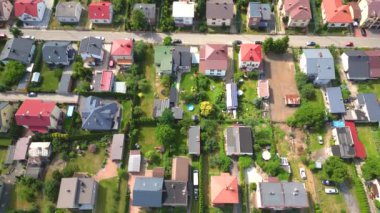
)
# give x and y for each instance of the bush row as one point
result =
(360, 194)
(120, 96)
(201, 203)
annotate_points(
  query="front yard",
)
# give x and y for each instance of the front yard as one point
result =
(107, 192)
(150, 75)
(49, 79)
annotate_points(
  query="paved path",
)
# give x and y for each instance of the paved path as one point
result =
(351, 201)
(197, 38)
(15, 97)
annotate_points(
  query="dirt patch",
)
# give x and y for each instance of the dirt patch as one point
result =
(279, 70)
(295, 139)
(109, 171)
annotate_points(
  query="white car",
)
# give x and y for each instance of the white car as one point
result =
(303, 173)
(320, 139)
(28, 36)
(100, 37)
(331, 191)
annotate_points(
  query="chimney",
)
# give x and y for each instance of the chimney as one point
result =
(68, 191)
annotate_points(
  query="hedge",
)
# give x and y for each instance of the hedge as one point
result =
(200, 186)
(361, 195)
(116, 95)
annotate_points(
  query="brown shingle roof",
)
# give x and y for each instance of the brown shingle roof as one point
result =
(220, 9)
(180, 169)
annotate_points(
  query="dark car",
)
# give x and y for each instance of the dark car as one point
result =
(311, 44)
(237, 42)
(32, 94)
(258, 42)
(363, 32)
(350, 44)
(328, 183)
(177, 41)
(3, 36)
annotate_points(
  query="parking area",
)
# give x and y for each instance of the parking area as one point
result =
(279, 70)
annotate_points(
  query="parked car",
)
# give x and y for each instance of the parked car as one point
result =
(3, 36)
(100, 37)
(311, 43)
(350, 44)
(258, 42)
(320, 139)
(237, 42)
(328, 183)
(176, 41)
(363, 32)
(111, 63)
(195, 184)
(303, 173)
(28, 36)
(32, 94)
(331, 191)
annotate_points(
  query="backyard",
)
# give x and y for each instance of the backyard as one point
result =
(106, 196)
(150, 75)
(370, 137)
(127, 111)
(50, 78)
(371, 86)
(89, 162)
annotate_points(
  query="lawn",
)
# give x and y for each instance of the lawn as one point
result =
(50, 78)
(147, 139)
(83, 23)
(106, 192)
(150, 75)
(89, 162)
(372, 86)
(370, 137)
(313, 137)
(329, 202)
(3, 154)
(5, 142)
(127, 112)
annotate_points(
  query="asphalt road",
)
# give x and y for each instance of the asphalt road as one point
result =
(197, 38)
(15, 97)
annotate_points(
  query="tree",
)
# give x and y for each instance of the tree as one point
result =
(268, 45)
(84, 86)
(167, 24)
(51, 190)
(309, 115)
(167, 41)
(220, 161)
(152, 157)
(138, 20)
(80, 71)
(210, 144)
(144, 85)
(28, 188)
(245, 162)
(165, 135)
(308, 92)
(334, 169)
(371, 168)
(165, 81)
(206, 108)
(118, 6)
(139, 51)
(15, 31)
(167, 117)
(278, 46)
(13, 73)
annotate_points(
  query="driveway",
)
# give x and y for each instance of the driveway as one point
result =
(106, 58)
(351, 202)
(5, 198)
(279, 70)
(109, 171)
(16, 97)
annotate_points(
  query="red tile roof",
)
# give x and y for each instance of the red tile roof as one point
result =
(374, 63)
(358, 145)
(213, 56)
(106, 81)
(35, 114)
(27, 6)
(224, 189)
(298, 9)
(99, 10)
(292, 99)
(336, 12)
(123, 47)
(250, 52)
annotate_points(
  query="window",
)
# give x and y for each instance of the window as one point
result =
(214, 19)
(333, 25)
(213, 23)
(224, 19)
(342, 25)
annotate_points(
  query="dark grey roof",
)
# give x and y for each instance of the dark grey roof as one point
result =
(149, 10)
(10, 155)
(181, 58)
(117, 147)
(174, 193)
(87, 191)
(173, 95)
(282, 195)
(259, 10)
(335, 149)
(177, 113)
(18, 49)
(335, 99)
(57, 52)
(67, 9)
(91, 45)
(369, 100)
(33, 171)
(358, 64)
(3, 104)
(231, 96)
(65, 83)
(346, 143)
(147, 192)
(239, 140)
(99, 116)
(23, 83)
(220, 9)
(194, 139)
(159, 106)
(75, 192)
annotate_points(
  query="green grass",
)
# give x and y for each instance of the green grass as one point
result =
(314, 143)
(369, 136)
(3, 155)
(5, 142)
(127, 113)
(150, 75)
(328, 202)
(147, 139)
(372, 86)
(83, 23)
(89, 162)
(50, 78)
(105, 201)
(224, 209)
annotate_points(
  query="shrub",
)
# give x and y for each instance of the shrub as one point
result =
(377, 204)
(253, 186)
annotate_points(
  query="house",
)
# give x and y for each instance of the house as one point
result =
(374, 63)
(122, 52)
(292, 100)
(318, 64)
(117, 148)
(6, 115)
(177, 113)
(224, 189)
(163, 59)
(99, 114)
(182, 59)
(159, 107)
(58, 52)
(334, 100)
(297, 12)
(344, 143)
(91, 50)
(38, 116)
(358, 145)
(173, 96)
(40, 149)
(149, 10)
(374, 188)
(335, 14)
(355, 64)
(194, 140)
(134, 161)
(174, 193)
(214, 59)
(103, 81)
(263, 89)
(369, 105)
(279, 196)
(21, 149)
(250, 57)
(219, 12)
(65, 84)
(370, 14)
(183, 13)
(258, 15)
(6, 8)
(68, 12)
(100, 12)
(30, 10)
(238, 140)
(78, 193)
(147, 192)
(231, 96)
(18, 49)
(180, 169)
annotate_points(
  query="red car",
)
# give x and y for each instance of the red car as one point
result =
(3, 36)
(111, 63)
(350, 44)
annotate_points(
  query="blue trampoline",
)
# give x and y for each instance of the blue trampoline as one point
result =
(338, 124)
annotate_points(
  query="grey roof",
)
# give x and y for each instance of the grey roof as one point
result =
(75, 191)
(159, 106)
(173, 95)
(134, 161)
(117, 147)
(67, 9)
(57, 52)
(358, 64)
(10, 155)
(320, 63)
(220, 9)
(149, 10)
(259, 10)
(33, 171)
(346, 143)
(18, 49)
(231, 96)
(23, 83)
(282, 195)
(147, 192)
(369, 100)
(21, 149)
(239, 140)
(177, 113)
(335, 99)
(91, 45)
(65, 83)
(194, 139)
(181, 57)
(175, 193)
(3, 104)
(97, 115)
